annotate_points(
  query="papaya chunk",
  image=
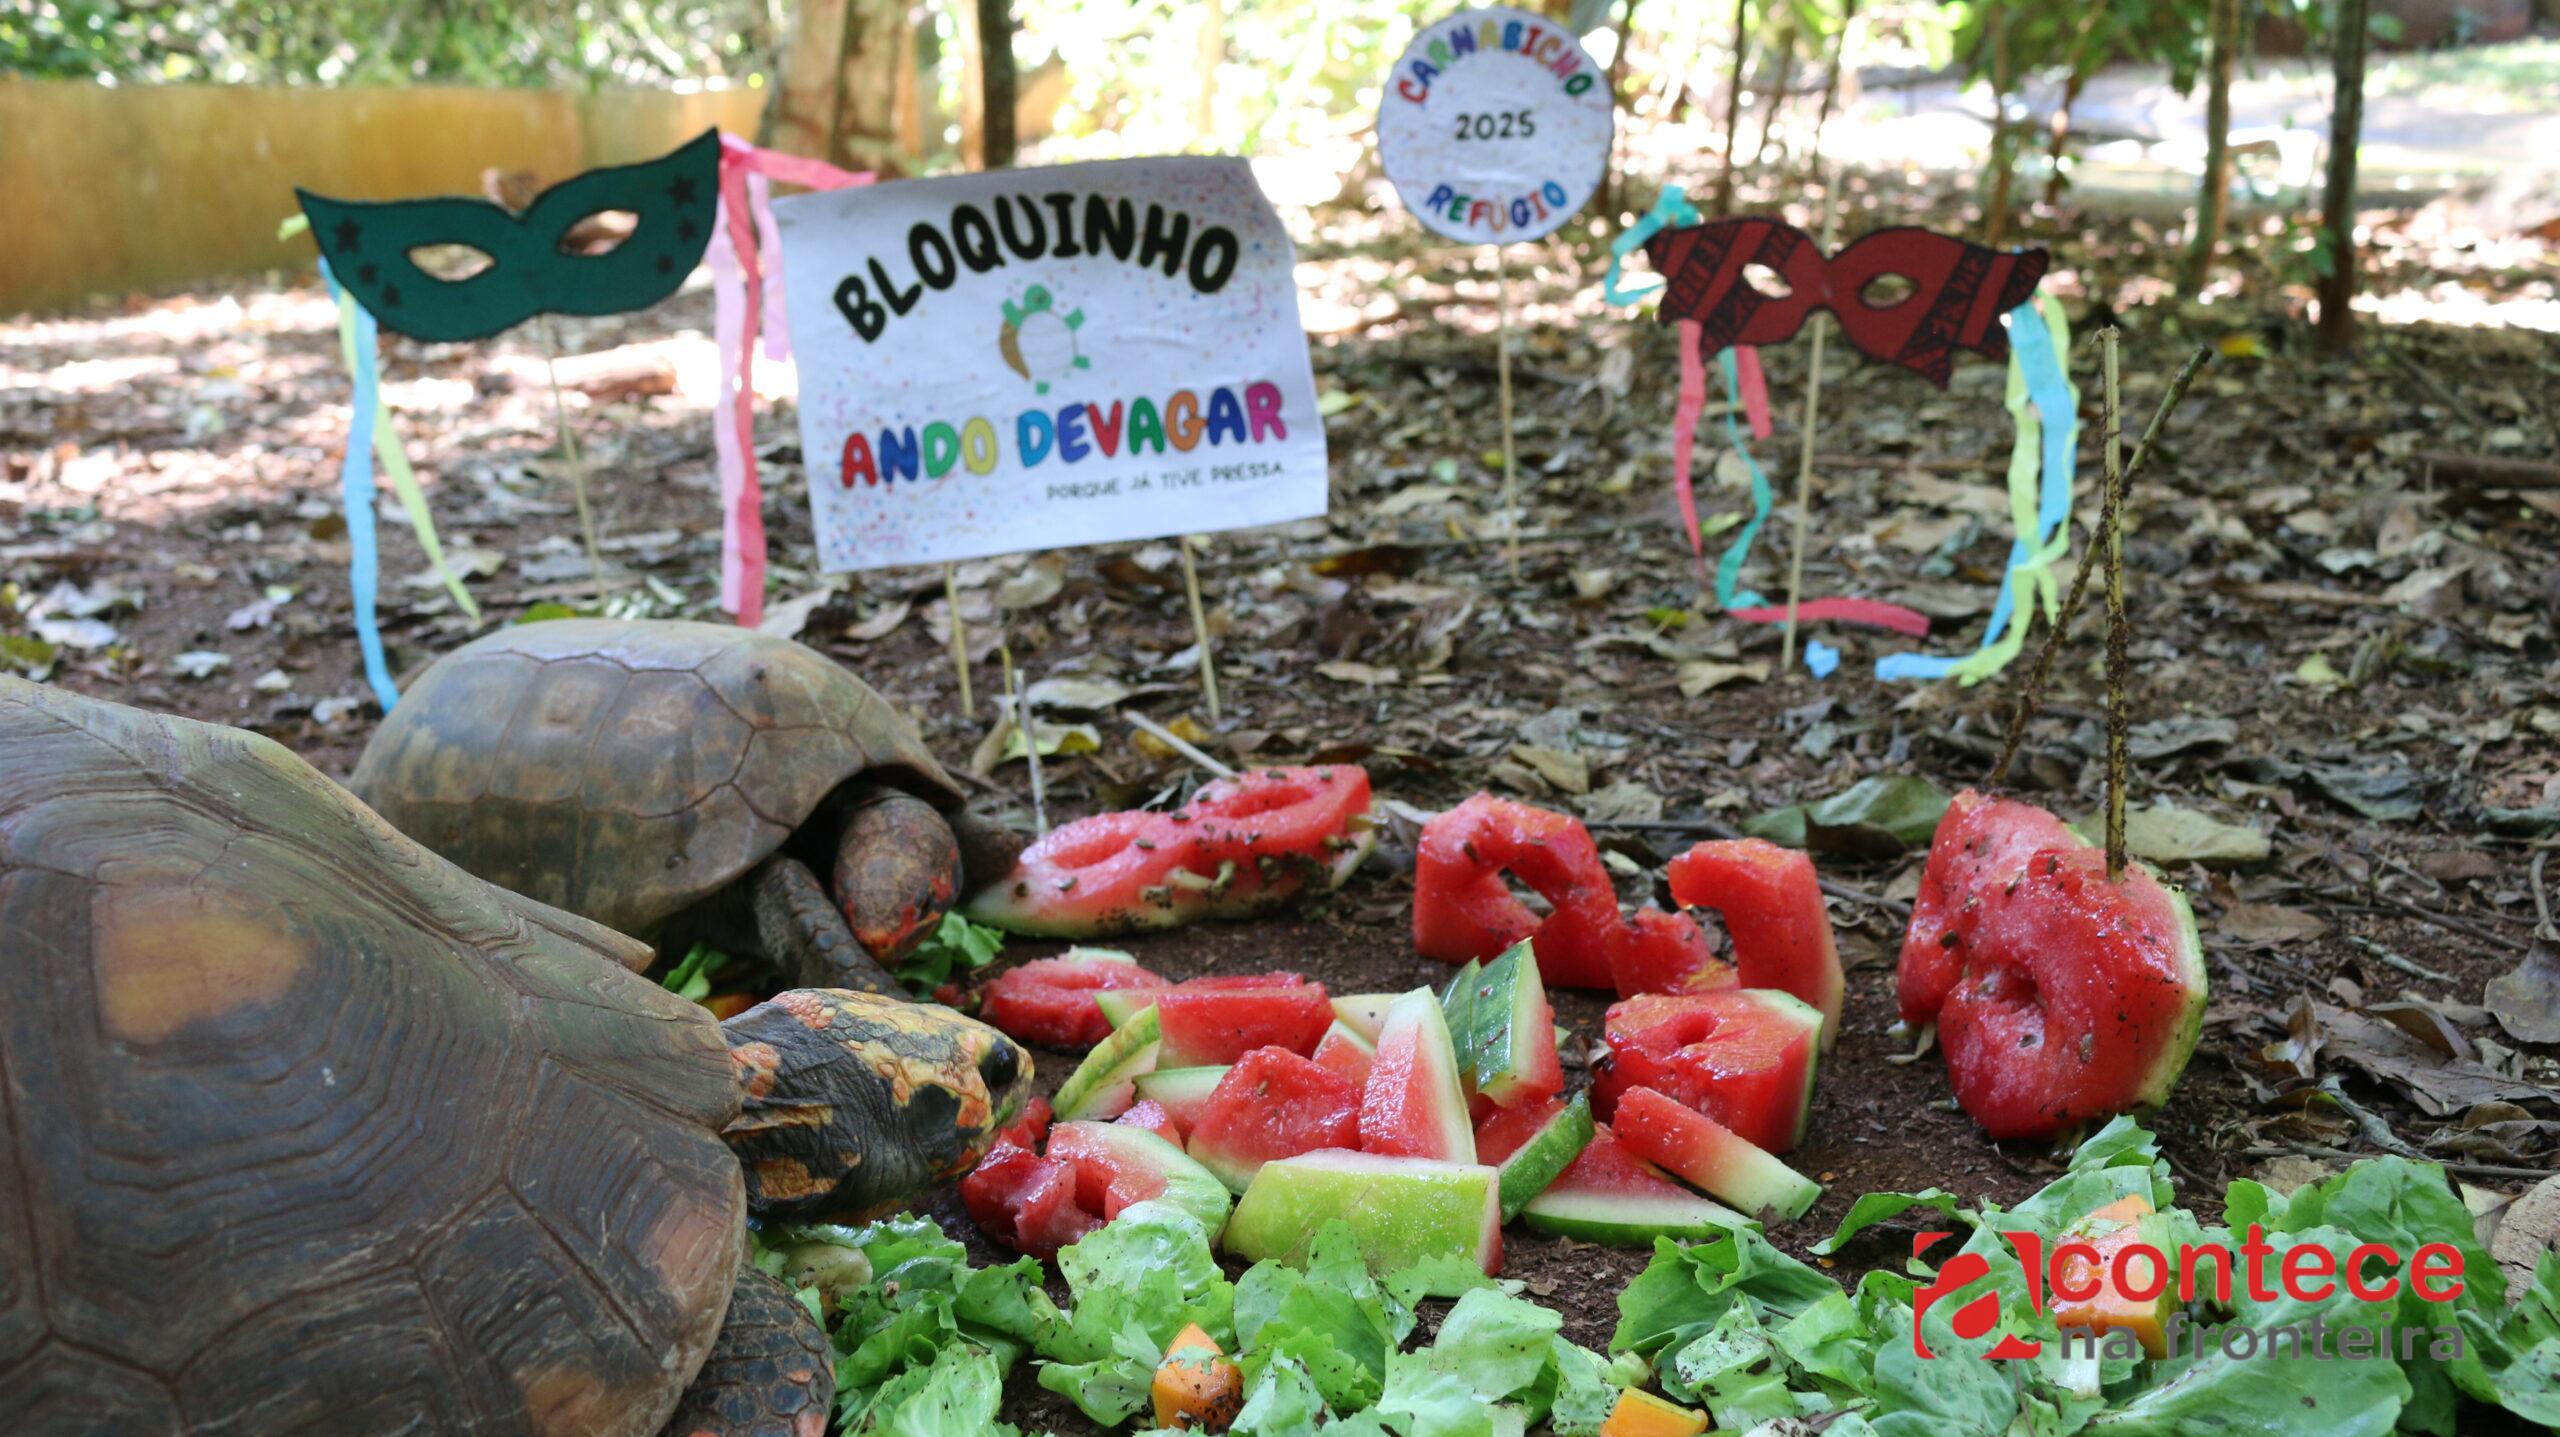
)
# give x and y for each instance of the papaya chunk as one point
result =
(1196, 1388)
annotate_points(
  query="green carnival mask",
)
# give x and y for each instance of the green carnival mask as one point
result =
(368, 246)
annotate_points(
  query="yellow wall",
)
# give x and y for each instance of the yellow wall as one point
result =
(104, 189)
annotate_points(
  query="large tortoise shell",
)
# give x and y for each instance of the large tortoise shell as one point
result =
(308, 1131)
(626, 770)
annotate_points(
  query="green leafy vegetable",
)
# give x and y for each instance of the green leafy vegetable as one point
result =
(957, 946)
(691, 979)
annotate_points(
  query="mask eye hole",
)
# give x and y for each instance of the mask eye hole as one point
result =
(1886, 290)
(1767, 281)
(598, 234)
(451, 263)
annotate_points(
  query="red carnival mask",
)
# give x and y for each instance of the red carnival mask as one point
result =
(1959, 290)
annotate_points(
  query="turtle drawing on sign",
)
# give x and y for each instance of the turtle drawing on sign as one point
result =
(1039, 340)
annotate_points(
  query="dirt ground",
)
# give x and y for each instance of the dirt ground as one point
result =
(2335, 645)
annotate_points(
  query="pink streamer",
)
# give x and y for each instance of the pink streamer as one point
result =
(1684, 440)
(745, 245)
(1754, 386)
(777, 332)
(1874, 613)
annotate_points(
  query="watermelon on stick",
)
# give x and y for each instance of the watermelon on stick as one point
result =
(1980, 842)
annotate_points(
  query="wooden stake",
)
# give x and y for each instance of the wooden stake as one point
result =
(1502, 373)
(1018, 714)
(569, 452)
(1200, 630)
(1174, 741)
(2031, 695)
(2117, 704)
(959, 640)
(1804, 456)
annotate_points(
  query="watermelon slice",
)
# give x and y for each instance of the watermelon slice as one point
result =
(1532, 1143)
(1181, 1092)
(1710, 1155)
(1117, 1165)
(1121, 1004)
(1980, 841)
(1053, 1002)
(1610, 1195)
(1364, 1013)
(1414, 1104)
(1111, 873)
(1743, 1056)
(1026, 1202)
(1285, 830)
(1463, 910)
(1771, 902)
(2080, 998)
(1663, 952)
(1346, 1053)
(1401, 1210)
(1105, 1083)
(1273, 1104)
(1205, 1021)
(1504, 1030)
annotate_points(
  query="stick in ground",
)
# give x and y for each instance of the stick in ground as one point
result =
(569, 453)
(1200, 631)
(1502, 381)
(959, 640)
(2117, 704)
(1804, 458)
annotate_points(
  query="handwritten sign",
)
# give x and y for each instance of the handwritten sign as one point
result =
(1032, 359)
(1495, 126)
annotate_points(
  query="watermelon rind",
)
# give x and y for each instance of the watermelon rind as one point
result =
(1181, 1091)
(1364, 1013)
(1417, 1068)
(2163, 1077)
(1188, 1184)
(1104, 1084)
(1119, 1005)
(1708, 1155)
(1629, 1219)
(1401, 1211)
(1458, 1010)
(1509, 1038)
(1533, 1166)
(1788, 1006)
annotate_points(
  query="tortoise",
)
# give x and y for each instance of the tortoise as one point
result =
(678, 781)
(309, 1131)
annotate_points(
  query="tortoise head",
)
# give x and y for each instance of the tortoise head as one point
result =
(855, 1103)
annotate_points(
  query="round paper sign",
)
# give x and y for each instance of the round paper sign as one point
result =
(1495, 126)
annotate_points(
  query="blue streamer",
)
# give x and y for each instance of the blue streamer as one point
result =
(2057, 410)
(1729, 564)
(1670, 210)
(1820, 658)
(355, 487)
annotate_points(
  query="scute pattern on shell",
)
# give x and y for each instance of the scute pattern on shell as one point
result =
(625, 770)
(770, 1375)
(308, 1131)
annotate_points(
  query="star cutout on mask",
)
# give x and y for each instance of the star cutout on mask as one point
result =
(347, 234)
(368, 272)
(681, 191)
(391, 296)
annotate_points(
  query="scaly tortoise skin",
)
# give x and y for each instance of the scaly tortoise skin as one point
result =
(309, 1131)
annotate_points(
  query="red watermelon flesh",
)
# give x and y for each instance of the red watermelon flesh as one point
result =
(1026, 1202)
(1110, 873)
(1743, 1056)
(1414, 1104)
(1980, 841)
(1211, 1021)
(1462, 909)
(2080, 998)
(1606, 1166)
(1500, 1133)
(1049, 1002)
(1771, 902)
(1027, 1132)
(1273, 1104)
(1285, 830)
(1151, 1115)
(1664, 952)
(1345, 1052)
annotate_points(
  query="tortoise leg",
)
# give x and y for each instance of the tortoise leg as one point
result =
(897, 871)
(804, 935)
(770, 1373)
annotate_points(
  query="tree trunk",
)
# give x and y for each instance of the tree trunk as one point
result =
(2338, 199)
(2213, 198)
(2004, 160)
(848, 86)
(1733, 104)
(1830, 88)
(1777, 94)
(989, 84)
(2077, 63)
(1616, 179)
(1213, 53)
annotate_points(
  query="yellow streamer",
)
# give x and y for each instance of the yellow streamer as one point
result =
(404, 480)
